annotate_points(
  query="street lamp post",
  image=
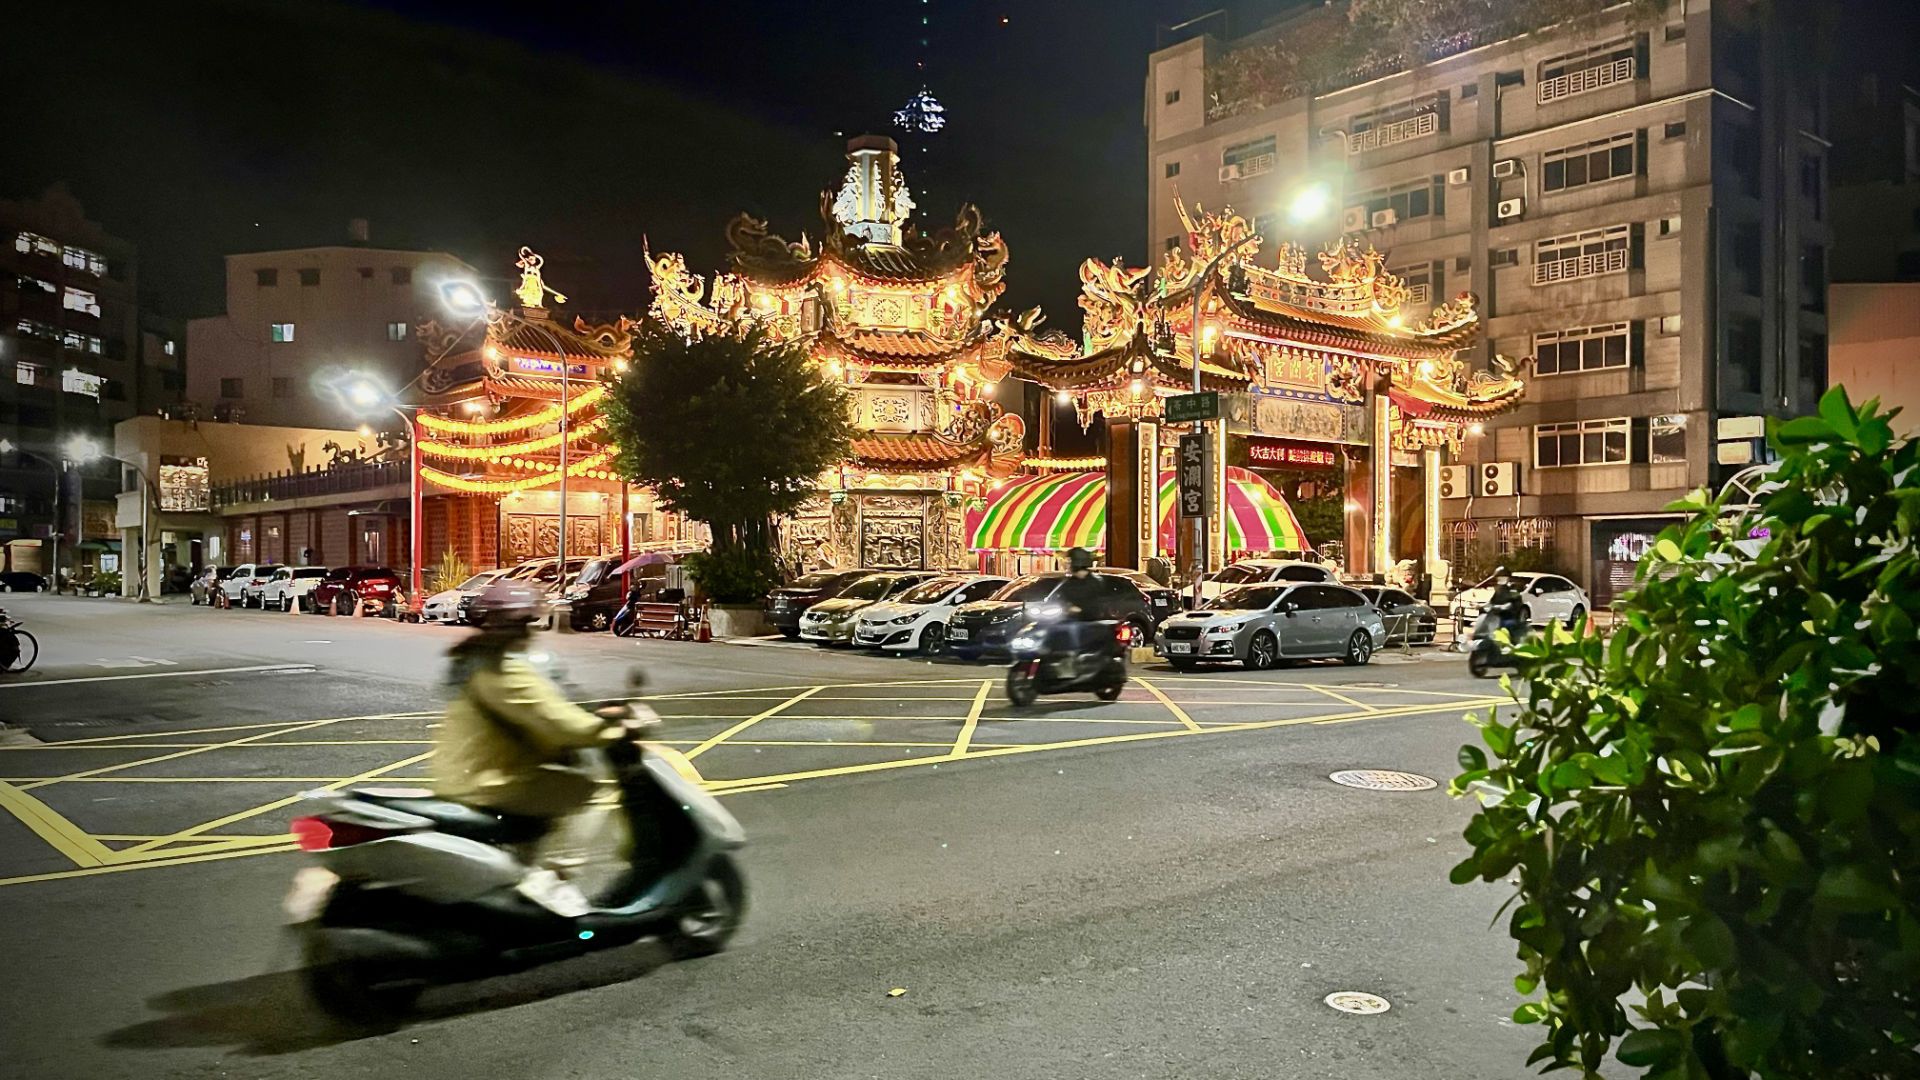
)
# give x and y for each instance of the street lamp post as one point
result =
(81, 450)
(53, 534)
(366, 394)
(1199, 293)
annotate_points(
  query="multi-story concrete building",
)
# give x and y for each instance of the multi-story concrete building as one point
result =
(1640, 204)
(296, 321)
(1876, 180)
(70, 342)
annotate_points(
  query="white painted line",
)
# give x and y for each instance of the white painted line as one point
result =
(294, 669)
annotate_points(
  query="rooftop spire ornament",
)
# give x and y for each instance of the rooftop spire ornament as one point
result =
(922, 112)
(533, 291)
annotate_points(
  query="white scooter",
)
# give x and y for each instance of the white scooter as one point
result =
(411, 890)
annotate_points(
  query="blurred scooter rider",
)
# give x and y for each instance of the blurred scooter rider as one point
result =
(509, 737)
(1507, 604)
(1082, 597)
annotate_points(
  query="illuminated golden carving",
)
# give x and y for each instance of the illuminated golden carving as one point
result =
(533, 291)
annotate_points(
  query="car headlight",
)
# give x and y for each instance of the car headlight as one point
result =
(902, 620)
(1226, 628)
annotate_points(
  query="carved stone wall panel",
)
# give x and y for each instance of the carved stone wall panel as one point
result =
(889, 543)
(519, 538)
(537, 536)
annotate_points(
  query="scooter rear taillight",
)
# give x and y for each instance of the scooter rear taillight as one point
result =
(319, 834)
(1124, 634)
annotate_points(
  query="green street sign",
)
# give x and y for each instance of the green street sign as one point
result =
(1202, 406)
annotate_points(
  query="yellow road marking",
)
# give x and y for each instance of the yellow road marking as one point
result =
(226, 727)
(297, 667)
(973, 720)
(1338, 696)
(144, 864)
(243, 815)
(750, 721)
(680, 762)
(169, 757)
(127, 837)
(1178, 712)
(1300, 685)
(59, 833)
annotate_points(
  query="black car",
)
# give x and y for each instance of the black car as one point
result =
(1163, 600)
(22, 581)
(594, 594)
(983, 627)
(1407, 619)
(785, 606)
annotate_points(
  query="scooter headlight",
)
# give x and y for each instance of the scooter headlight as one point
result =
(1045, 611)
(1027, 642)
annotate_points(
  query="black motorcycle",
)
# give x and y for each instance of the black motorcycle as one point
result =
(1485, 653)
(18, 649)
(1051, 657)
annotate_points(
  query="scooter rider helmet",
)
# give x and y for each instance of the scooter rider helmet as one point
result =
(1079, 559)
(507, 604)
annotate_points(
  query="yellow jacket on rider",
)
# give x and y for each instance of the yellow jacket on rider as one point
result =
(507, 740)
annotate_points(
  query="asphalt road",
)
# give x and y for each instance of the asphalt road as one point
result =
(1167, 886)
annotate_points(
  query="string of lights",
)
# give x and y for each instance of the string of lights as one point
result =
(545, 474)
(574, 434)
(518, 423)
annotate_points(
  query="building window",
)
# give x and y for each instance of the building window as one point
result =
(1667, 439)
(1173, 243)
(1810, 186)
(1469, 90)
(27, 282)
(231, 388)
(1669, 325)
(309, 276)
(26, 374)
(1677, 33)
(1248, 158)
(282, 331)
(35, 329)
(396, 331)
(1422, 281)
(402, 275)
(266, 278)
(80, 300)
(1747, 253)
(28, 243)
(1581, 255)
(1812, 366)
(1742, 144)
(1396, 124)
(1670, 226)
(75, 381)
(1586, 348)
(282, 386)
(1416, 199)
(1743, 356)
(366, 273)
(167, 347)
(86, 343)
(82, 259)
(1589, 69)
(1172, 97)
(1813, 277)
(1581, 442)
(1589, 163)
(1503, 257)
(1675, 129)
(1173, 169)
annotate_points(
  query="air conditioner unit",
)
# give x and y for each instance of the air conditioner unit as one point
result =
(1506, 167)
(1384, 218)
(1499, 478)
(1510, 208)
(1456, 177)
(1229, 172)
(1354, 220)
(1454, 480)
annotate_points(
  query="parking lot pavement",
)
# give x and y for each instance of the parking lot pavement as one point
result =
(109, 769)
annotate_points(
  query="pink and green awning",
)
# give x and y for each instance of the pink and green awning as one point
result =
(1066, 510)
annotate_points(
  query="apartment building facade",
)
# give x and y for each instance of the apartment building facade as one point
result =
(1639, 204)
(296, 321)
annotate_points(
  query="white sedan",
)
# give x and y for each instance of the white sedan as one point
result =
(916, 620)
(1549, 598)
(444, 606)
(290, 586)
(1261, 571)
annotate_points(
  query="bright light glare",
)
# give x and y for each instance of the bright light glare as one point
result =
(463, 297)
(1062, 396)
(1476, 428)
(6, 446)
(80, 449)
(364, 394)
(1312, 201)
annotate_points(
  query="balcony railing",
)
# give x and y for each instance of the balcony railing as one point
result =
(340, 480)
(1579, 82)
(1413, 127)
(1549, 271)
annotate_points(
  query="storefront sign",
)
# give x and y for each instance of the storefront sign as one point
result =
(1289, 454)
(1195, 469)
(1291, 418)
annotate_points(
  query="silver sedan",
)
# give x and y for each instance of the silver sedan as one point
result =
(1261, 625)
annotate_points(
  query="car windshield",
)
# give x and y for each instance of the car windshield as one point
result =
(819, 580)
(1240, 575)
(1247, 597)
(594, 571)
(929, 591)
(1372, 595)
(312, 571)
(478, 580)
(340, 573)
(526, 570)
(871, 588)
(1029, 589)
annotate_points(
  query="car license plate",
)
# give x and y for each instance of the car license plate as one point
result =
(311, 888)
(1179, 647)
(958, 633)
(780, 605)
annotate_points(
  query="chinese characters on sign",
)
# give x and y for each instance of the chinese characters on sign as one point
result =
(536, 366)
(1196, 467)
(1294, 455)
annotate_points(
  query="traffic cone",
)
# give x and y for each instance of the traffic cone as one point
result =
(705, 633)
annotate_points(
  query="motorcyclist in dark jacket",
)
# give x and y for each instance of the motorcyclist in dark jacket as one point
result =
(1508, 604)
(1083, 600)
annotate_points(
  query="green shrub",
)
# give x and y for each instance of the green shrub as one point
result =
(107, 581)
(1719, 807)
(449, 573)
(733, 576)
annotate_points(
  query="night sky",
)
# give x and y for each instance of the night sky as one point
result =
(198, 128)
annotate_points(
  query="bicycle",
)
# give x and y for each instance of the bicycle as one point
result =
(18, 649)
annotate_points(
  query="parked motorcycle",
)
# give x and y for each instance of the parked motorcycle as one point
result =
(18, 649)
(1068, 657)
(1484, 653)
(411, 891)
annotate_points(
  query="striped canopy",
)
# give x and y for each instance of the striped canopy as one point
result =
(1053, 512)
(1067, 510)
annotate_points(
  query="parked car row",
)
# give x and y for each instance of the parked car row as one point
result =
(325, 590)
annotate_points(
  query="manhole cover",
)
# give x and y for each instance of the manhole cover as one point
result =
(1382, 780)
(1357, 1003)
